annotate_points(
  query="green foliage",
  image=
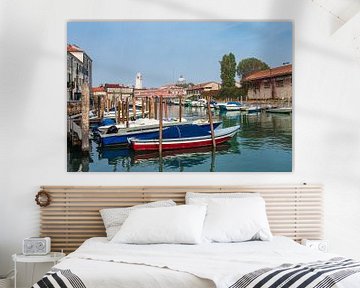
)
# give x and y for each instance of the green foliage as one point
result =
(228, 70)
(231, 92)
(249, 65)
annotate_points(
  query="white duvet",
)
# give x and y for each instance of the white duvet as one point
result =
(100, 263)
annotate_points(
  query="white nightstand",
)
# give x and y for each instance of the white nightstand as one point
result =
(320, 245)
(53, 257)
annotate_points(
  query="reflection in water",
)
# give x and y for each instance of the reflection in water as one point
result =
(265, 142)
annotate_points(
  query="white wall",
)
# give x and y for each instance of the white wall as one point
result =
(32, 107)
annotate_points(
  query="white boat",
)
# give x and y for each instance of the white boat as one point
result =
(230, 106)
(252, 109)
(202, 102)
(195, 103)
(120, 136)
(113, 114)
(142, 122)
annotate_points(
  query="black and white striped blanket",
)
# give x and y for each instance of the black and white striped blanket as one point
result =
(320, 274)
(59, 278)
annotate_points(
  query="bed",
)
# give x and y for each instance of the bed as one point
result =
(294, 211)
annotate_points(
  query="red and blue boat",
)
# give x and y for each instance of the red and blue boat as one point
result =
(122, 135)
(182, 137)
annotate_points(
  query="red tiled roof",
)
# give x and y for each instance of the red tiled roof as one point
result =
(114, 85)
(98, 89)
(277, 71)
(200, 85)
(73, 48)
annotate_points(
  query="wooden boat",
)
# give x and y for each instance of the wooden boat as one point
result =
(122, 135)
(182, 137)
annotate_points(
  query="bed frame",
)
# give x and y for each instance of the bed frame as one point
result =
(73, 214)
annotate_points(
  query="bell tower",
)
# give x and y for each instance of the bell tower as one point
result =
(138, 81)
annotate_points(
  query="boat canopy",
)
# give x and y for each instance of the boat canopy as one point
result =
(107, 122)
(234, 103)
(178, 131)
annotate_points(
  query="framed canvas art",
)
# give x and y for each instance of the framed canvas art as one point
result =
(179, 96)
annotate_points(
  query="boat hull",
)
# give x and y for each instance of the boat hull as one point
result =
(280, 110)
(232, 108)
(182, 143)
(123, 139)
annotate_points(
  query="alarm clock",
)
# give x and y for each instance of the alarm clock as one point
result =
(36, 246)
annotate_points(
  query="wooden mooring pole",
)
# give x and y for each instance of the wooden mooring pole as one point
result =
(123, 111)
(85, 106)
(156, 100)
(160, 125)
(134, 106)
(166, 109)
(180, 108)
(211, 122)
(119, 111)
(102, 107)
(127, 112)
(142, 108)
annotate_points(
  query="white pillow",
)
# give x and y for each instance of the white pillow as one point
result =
(173, 225)
(236, 220)
(113, 218)
(204, 198)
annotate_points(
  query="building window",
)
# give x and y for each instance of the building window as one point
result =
(267, 84)
(279, 83)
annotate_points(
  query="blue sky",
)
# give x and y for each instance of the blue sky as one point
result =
(162, 51)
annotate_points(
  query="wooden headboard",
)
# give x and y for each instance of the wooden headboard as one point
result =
(73, 214)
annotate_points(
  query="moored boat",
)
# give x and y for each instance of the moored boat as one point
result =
(213, 104)
(281, 110)
(182, 137)
(121, 136)
(252, 109)
(230, 106)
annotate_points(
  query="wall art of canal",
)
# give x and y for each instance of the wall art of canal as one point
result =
(263, 144)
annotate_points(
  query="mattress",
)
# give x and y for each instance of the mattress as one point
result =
(99, 263)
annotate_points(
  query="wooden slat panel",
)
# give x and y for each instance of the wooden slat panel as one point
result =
(73, 216)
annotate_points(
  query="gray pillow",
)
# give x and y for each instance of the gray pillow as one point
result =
(203, 198)
(113, 218)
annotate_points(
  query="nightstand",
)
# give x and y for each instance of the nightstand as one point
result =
(320, 245)
(53, 257)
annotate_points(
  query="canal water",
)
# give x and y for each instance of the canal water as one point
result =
(263, 144)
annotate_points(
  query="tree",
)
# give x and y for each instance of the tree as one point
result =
(228, 70)
(249, 65)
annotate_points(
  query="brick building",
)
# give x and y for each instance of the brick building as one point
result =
(274, 83)
(198, 89)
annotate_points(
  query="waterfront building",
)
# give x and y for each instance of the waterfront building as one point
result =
(138, 81)
(169, 91)
(115, 90)
(98, 92)
(198, 89)
(274, 83)
(79, 71)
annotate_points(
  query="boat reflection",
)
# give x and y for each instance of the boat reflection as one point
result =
(178, 160)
